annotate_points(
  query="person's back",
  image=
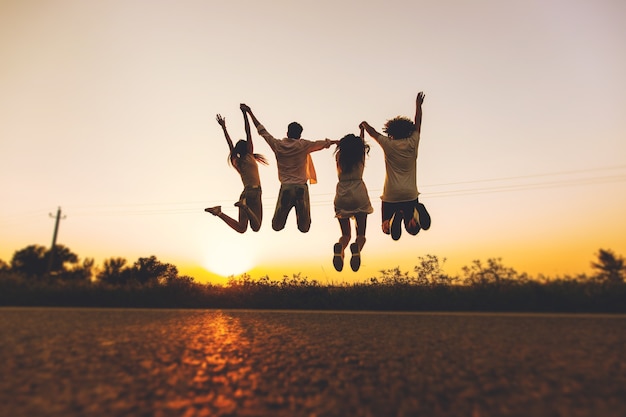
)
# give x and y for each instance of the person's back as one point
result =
(400, 199)
(400, 167)
(295, 168)
(291, 158)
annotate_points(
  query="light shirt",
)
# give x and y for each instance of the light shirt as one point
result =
(401, 168)
(293, 158)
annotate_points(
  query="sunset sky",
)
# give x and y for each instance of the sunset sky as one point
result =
(107, 110)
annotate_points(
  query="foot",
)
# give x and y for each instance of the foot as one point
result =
(216, 211)
(413, 227)
(396, 226)
(338, 256)
(424, 217)
(386, 228)
(355, 261)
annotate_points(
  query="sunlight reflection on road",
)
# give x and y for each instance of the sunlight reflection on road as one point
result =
(216, 349)
(115, 362)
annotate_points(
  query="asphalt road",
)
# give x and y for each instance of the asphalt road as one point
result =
(116, 362)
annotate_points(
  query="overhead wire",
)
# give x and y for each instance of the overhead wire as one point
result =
(437, 190)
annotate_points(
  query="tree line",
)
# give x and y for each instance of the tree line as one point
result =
(37, 276)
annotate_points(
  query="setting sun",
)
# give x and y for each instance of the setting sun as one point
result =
(230, 256)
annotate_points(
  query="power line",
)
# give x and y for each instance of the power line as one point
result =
(437, 190)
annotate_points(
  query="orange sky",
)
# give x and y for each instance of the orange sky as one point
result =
(108, 111)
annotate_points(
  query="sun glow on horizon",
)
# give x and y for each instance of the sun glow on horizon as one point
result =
(230, 257)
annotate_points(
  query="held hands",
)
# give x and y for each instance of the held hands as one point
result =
(244, 107)
(420, 98)
(221, 120)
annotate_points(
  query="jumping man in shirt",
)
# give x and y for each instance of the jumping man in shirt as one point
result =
(295, 168)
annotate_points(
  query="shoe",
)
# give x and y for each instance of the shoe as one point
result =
(338, 257)
(355, 261)
(216, 211)
(396, 225)
(424, 217)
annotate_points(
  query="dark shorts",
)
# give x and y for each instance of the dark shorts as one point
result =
(290, 196)
(253, 200)
(405, 207)
(401, 211)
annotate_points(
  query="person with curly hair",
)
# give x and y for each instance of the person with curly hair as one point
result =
(242, 157)
(351, 198)
(400, 198)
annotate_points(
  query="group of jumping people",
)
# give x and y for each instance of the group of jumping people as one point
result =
(400, 198)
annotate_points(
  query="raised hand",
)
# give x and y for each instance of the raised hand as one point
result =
(420, 98)
(221, 120)
(244, 107)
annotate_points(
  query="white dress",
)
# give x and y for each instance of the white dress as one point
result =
(351, 196)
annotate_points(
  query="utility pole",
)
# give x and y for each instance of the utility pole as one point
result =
(54, 237)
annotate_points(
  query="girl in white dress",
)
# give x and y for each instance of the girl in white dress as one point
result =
(351, 198)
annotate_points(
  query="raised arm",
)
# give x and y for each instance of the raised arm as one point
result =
(246, 123)
(418, 111)
(222, 123)
(259, 127)
(246, 109)
(369, 129)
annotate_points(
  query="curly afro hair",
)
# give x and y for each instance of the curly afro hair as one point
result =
(399, 127)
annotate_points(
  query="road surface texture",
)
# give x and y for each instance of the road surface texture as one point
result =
(124, 362)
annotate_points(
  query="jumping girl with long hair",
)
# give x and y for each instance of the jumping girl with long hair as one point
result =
(245, 161)
(351, 198)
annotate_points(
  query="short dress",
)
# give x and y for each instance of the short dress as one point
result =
(351, 196)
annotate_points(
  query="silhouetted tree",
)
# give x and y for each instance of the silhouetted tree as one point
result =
(79, 272)
(147, 271)
(34, 261)
(62, 256)
(494, 273)
(611, 267)
(3, 266)
(30, 261)
(430, 272)
(114, 272)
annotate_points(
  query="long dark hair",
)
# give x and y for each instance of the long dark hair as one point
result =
(239, 151)
(351, 151)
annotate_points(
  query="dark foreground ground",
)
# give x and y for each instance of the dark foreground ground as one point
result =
(108, 362)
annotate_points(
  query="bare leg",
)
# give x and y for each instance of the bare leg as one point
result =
(361, 225)
(355, 248)
(255, 220)
(240, 225)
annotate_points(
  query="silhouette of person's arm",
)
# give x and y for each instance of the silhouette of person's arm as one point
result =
(369, 129)
(259, 127)
(222, 122)
(246, 123)
(246, 109)
(418, 111)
